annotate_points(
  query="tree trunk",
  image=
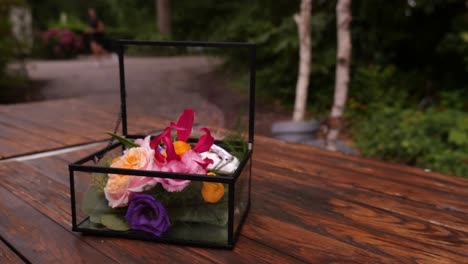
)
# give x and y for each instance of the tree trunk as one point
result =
(343, 58)
(164, 16)
(303, 24)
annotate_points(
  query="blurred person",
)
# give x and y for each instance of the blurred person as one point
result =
(99, 44)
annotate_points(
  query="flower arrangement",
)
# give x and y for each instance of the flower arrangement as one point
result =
(60, 43)
(152, 204)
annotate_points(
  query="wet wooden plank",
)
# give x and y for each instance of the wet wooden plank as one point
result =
(395, 173)
(376, 194)
(9, 147)
(338, 158)
(433, 197)
(304, 210)
(38, 237)
(8, 256)
(35, 127)
(247, 251)
(64, 114)
(56, 167)
(30, 139)
(52, 198)
(327, 212)
(303, 243)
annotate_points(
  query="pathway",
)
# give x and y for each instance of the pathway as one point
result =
(86, 96)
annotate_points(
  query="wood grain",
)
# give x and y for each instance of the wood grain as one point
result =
(446, 184)
(441, 199)
(318, 213)
(362, 193)
(319, 190)
(247, 250)
(52, 198)
(8, 256)
(269, 143)
(308, 207)
(318, 217)
(29, 128)
(40, 239)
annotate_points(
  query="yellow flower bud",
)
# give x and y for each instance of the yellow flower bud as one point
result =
(212, 192)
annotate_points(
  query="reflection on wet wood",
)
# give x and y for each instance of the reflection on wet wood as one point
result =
(308, 206)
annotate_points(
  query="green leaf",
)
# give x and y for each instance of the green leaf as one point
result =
(96, 219)
(464, 36)
(457, 137)
(213, 214)
(98, 182)
(127, 143)
(197, 231)
(91, 225)
(95, 203)
(115, 222)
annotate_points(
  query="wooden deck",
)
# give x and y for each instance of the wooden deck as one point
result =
(308, 205)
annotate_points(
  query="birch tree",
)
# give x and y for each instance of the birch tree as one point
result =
(163, 13)
(343, 58)
(303, 23)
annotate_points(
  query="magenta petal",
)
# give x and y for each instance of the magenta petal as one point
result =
(177, 127)
(205, 163)
(155, 143)
(184, 124)
(204, 142)
(208, 161)
(156, 140)
(170, 151)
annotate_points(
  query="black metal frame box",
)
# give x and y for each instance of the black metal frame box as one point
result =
(237, 186)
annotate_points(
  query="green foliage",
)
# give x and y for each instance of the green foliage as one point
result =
(453, 100)
(406, 58)
(235, 144)
(115, 222)
(6, 42)
(72, 23)
(127, 143)
(197, 231)
(5, 45)
(374, 87)
(386, 125)
(95, 205)
(273, 29)
(189, 206)
(10, 85)
(434, 139)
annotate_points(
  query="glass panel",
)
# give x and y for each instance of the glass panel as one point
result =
(241, 196)
(148, 207)
(104, 160)
(167, 80)
(82, 183)
(162, 82)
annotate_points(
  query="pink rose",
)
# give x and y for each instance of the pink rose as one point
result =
(120, 187)
(190, 163)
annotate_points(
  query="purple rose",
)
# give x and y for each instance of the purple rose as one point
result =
(147, 214)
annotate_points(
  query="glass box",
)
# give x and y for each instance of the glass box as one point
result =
(208, 211)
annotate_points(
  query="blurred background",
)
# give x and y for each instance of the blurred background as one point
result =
(408, 89)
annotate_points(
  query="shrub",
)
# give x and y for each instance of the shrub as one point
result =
(6, 41)
(71, 23)
(59, 43)
(434, 139)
